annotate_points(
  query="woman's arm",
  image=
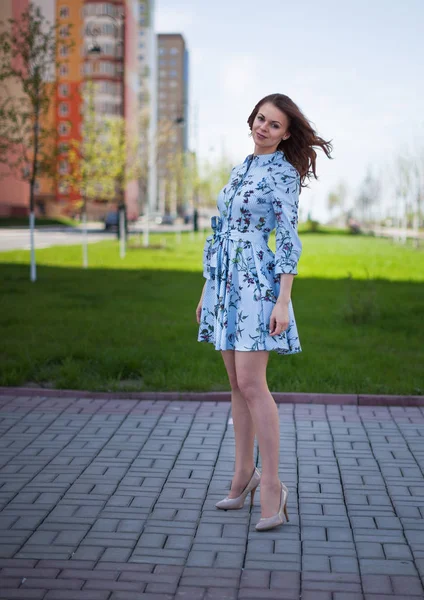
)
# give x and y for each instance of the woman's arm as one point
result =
(199, 306)
(288, 244)
(285, 203)
(286, 283)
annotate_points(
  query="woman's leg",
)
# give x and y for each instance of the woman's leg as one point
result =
(244, 432)
(251, 380)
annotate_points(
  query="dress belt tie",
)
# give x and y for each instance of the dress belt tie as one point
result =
(212, 242)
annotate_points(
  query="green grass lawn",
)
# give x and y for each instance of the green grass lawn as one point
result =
(130, 324)
(39, 221)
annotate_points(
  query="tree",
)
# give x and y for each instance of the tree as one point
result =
(213, 177)
(404, 187)
(122, 165)
(337, 198)
(368, 196)
(87, 161)
(28, 59)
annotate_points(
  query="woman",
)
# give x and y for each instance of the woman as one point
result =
(245, 308)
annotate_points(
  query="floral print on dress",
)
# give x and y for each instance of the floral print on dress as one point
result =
(242, 273)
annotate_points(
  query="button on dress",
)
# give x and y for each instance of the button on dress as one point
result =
(241, 271)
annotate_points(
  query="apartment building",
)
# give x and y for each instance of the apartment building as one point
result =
(111, 29)
(173, 115)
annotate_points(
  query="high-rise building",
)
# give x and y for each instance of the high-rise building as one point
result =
(90, 24)
(146, 56)
(172, 108)
(144, 50)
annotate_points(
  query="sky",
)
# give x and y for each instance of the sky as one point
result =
(354, 68)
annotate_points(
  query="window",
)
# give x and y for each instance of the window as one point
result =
(64, 89)
(63, 187)
(173, 84)
(162, 73)
(64, 109)
(63, 70)
(106, 68)
(63, 51)
(173, 51)
(63, 167)
(37, 187)
(64, 12)
(63, 128)
(141, 44)
(172, 73)
(162, 94)
(87, 68)
(162, 62)
(162, 50)
(173, 62)
(64, 31)
(63, 147)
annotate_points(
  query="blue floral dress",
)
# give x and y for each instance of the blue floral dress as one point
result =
(242, 273)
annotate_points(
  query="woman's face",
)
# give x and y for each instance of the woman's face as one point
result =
(269, 128)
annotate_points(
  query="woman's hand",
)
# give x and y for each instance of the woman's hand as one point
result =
(279, 320)
(199, 307)
(198, 311)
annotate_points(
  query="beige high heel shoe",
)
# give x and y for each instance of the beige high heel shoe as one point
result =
(271, 522)
(232, 503)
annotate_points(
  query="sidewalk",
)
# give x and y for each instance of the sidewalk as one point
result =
(114, 500)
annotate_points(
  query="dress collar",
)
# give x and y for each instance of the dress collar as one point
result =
(264, 159)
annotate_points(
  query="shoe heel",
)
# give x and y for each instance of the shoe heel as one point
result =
(252, 495)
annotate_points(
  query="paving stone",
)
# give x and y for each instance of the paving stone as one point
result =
(261, 594)
(117, 497)
(387, 567)
(397, 551)
(315, 562)
(370, 550)
(344, 564)
(188, 593)
(407, 585)
(377, 583)
(316, 595)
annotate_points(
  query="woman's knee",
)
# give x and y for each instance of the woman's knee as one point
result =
(232, 378)
(230, 366)
(250, 387)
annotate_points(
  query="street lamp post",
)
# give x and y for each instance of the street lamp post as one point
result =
(97, 49)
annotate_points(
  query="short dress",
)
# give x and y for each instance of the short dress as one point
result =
(241, 271)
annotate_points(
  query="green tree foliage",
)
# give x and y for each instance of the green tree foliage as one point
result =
(28, 61)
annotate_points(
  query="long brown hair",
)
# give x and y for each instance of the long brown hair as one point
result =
(298, 148)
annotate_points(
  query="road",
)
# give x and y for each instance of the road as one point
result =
(18, 239)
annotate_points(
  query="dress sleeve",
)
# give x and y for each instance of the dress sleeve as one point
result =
(285, 202)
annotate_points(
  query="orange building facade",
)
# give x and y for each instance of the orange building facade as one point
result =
(117, 82)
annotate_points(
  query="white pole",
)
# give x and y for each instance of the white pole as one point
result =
(152, 175)
(84, 241)
(174, 191)
(33, 270)
(121, 234)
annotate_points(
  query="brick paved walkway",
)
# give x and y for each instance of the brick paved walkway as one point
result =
(114, 500)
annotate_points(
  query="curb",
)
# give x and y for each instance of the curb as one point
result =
(279, 397)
